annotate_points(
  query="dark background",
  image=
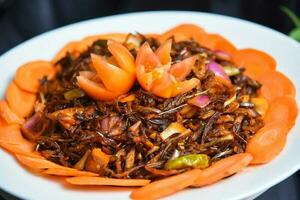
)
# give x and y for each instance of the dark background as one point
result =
(23, 19)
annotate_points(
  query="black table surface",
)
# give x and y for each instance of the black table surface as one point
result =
(23, 19)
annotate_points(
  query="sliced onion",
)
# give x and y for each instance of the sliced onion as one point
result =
(105, 124)
(222, 55)
(133, 41)
(217, 69)
(173, 128)
(29, 128)
(230, 100)
(200, 101)
(109, 122)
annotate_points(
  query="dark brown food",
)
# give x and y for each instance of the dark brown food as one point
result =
(129, 133)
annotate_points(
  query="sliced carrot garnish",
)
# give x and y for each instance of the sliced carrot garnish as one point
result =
(67, 172)
(12, 140)
(37, 163)
(8, 115)
(20, 101)
(267, 143)
(106, 181)
(283, 110)
(185, 32)
(74, 48)
(256, 62)
(218, 42)
(118, 37)
(29, 75)
(223, 168)
(11, 134)
(275, 84)
(20, 149)
(77, 47)
(166, 186)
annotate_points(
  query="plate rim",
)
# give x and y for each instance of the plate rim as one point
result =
(111, 17)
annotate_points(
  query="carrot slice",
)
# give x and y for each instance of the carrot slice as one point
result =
(222, 169)
(166, 186)
(20, 101)
(267, 143)
(28, 76)
(218, 42)
(283, 110)
(12, 140)
(256, 62)
(67, 172)
(20, 149)
(275, 84)
(8, 115)
(37, 163)
(118, 37)
(75, 48)
(11, 134)
(185, 32)
(106, 181)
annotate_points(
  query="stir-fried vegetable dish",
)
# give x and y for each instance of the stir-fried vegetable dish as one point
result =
(184, 108)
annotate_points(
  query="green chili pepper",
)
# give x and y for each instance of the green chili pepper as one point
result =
(231, 71)
(191, 160)
(73, 94)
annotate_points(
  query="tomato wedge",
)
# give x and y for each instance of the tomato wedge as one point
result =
(110, 81)
(164, 51)
(95, 90)
(109, 74)
(164, 80)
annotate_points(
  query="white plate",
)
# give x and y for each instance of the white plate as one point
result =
(17, 181)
